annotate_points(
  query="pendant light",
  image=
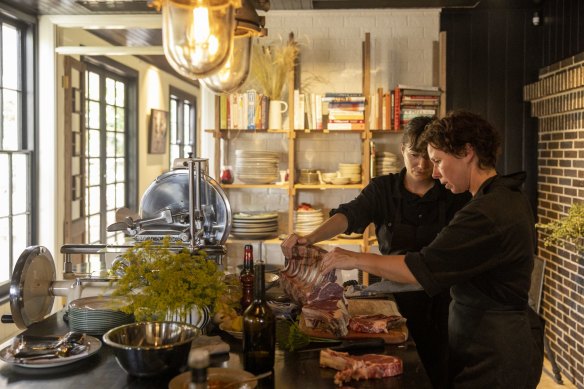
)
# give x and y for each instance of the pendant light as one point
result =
(198, 36)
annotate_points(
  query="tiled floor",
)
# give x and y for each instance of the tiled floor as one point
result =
(547, 382)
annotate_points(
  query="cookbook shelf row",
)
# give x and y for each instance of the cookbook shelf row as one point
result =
(369, 141)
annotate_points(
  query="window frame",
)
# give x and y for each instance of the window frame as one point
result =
(180, 96)
(28, 141)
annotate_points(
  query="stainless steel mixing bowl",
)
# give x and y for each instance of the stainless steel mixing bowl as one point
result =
(150, 348)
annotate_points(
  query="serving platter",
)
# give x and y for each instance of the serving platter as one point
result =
(93, 346)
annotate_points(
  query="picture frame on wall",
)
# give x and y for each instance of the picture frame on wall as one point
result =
(158, 132)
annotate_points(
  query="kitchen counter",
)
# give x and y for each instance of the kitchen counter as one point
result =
(102, 371)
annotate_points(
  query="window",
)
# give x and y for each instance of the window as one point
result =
(16, 144)
(109, 162)
(183, 127)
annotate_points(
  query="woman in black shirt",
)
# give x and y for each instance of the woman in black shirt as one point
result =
(484, 256)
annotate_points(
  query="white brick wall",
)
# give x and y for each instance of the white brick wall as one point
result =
(401, 45)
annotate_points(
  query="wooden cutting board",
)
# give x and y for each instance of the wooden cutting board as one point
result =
(364, 307)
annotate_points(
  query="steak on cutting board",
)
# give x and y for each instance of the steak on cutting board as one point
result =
(362, 367)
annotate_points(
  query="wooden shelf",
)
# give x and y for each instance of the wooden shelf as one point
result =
(325, 131)
(249, 131)
(379, 131)
(255, 186)
(278, 241)
(328, 186)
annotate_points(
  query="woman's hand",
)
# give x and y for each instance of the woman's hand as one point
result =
(292, 241)
(339, 258)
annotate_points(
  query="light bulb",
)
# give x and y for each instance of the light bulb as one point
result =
(235, 71)
(197, 35)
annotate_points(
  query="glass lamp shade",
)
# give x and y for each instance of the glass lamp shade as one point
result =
(197, 35)
(235, 71)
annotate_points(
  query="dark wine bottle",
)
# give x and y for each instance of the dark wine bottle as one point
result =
(247, 277)
(259, 329)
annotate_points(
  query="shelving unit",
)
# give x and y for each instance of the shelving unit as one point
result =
(292, 138)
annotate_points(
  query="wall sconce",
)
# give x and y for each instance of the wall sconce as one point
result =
(198, 35)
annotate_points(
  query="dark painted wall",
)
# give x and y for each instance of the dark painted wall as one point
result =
(563, 29)
(491, 55)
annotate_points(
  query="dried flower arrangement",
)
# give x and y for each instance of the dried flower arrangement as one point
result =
(159, 281)
(271, 65)
(569, 228)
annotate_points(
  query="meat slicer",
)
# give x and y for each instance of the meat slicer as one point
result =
(185, 204)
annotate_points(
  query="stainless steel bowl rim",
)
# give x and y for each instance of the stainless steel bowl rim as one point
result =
(109, 342)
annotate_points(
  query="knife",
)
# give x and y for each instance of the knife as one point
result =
(361, 345)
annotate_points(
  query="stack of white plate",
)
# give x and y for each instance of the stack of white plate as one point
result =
(256, 167)
(254, 225)
(351, 170)
(98, 314)
(305, 221)
(386, 163)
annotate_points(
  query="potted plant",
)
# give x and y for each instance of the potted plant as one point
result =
(162, 283)
(567, 229)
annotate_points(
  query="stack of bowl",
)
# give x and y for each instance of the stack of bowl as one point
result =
(386, 163)
(256, 167)
(352, 171)
(305, 221)
(98, 314)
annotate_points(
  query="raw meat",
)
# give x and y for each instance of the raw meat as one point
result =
(375, 324)
(301, 274)
(352, 367)
(327, 309)
(322, 300)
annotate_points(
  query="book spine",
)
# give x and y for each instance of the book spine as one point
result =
(380, 108)
(251, 107)
(396, 108)
(318, 111)
(265, 111)
(223, 111)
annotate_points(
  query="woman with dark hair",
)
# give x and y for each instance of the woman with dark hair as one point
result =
(484, 257)
(408, 210)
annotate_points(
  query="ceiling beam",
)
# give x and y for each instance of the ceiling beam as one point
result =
(106, 22)
(110, 50)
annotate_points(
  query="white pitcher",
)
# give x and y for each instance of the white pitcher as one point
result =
(277, 108)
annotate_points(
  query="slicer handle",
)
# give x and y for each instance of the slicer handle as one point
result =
(7, 319)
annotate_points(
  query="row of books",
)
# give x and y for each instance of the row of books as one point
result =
(332, 111)
(244, 111)
(390, 110)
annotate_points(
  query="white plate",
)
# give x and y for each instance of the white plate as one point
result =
(255, 215)
(246, 230)
(225, 374)
(93, 344)
(253, 235)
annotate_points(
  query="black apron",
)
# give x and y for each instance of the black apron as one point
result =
(494, 346)
(427, 317)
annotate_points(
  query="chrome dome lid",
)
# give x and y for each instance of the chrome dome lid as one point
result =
(170, 191)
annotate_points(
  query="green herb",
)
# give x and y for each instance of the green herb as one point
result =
(291, 338)
(160, 282)
(569, 228)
